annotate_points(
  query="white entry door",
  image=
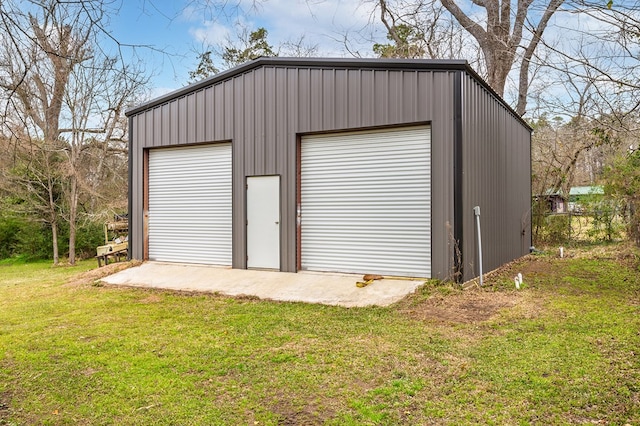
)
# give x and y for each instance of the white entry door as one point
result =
(263, 222)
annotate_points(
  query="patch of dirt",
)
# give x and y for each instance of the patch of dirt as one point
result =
(5, 397)
(478, 304)
(153, 298)
(468, 306)
(90, 277)
(291, 415)
(528, 266)
(88, 372)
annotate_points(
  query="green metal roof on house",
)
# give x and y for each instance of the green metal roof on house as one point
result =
(586, 190)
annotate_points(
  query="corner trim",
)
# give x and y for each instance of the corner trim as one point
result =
(129, 188)
(458, 177)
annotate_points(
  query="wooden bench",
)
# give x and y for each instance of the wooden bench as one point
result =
(118, 255)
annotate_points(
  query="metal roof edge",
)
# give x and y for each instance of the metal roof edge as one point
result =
(444, 64)
(383, 63)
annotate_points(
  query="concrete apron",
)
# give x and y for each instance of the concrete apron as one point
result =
(309, 287)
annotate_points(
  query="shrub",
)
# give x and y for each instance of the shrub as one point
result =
(603, 226)
(557, 228)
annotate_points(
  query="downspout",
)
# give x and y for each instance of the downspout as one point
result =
(476, 213)
(458, 217)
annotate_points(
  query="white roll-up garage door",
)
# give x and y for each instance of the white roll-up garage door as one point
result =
(190, 204)
(365, 202)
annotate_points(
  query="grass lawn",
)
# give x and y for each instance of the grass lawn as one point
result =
(565, 349)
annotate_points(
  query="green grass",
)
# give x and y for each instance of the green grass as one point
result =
(565, 351)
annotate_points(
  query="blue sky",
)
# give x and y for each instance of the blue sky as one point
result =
(177, 30)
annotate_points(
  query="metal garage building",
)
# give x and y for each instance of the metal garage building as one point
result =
(346, 165)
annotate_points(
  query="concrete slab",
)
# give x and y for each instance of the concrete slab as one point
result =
(309, 287)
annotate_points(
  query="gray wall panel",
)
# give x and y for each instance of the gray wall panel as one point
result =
(354, 101)
(259, 114)
(226, 107)
(315, 100)
(380, 96)
(200, 113)
(301, 76)
(147, 124)
(136, 231)
(396, 96)
(181, 119)
(341, 109)
(270, 122)
(439, 100)
(328, 100)
(165, 124)
(213, 121)
(366, 94)
(247, 122)
(190, 121)
(173, 122)
(494, 179)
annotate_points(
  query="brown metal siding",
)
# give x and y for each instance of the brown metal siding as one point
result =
(496, 161)
(263, 110)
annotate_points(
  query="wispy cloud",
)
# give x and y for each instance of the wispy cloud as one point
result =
(323, 23)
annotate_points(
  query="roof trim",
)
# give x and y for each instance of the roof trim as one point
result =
(375, 63)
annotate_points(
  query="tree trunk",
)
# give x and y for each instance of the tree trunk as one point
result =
(498, 67)
(501, 35)
(54, 241)
(73, 210)
(53, 221)
(523, 78)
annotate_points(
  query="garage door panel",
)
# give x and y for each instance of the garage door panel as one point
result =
(190, 204)
(365, 203)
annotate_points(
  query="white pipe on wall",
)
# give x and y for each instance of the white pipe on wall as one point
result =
(476, 212)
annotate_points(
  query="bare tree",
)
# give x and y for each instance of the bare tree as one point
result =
(595, 95)
(63, 96)
(506, 33)
(421, 29)
(298, 47)
(36, 64)
(595, 41)
(95, 100)
(36, 172)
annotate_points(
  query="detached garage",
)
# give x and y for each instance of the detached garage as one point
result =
(363, 166)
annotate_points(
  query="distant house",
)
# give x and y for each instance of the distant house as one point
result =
(557, 202)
